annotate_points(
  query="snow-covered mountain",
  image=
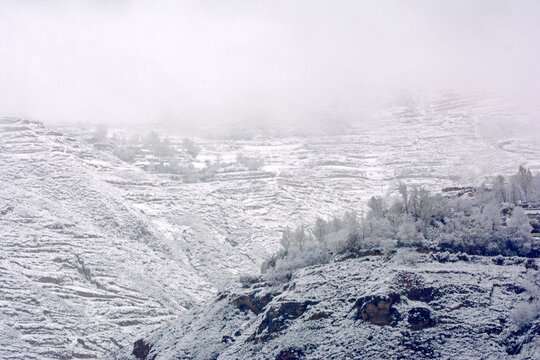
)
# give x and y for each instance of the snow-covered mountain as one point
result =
(96, 252)
(403, 306)
(82, 271)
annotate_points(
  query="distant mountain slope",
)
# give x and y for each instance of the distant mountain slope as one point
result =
(407, 306)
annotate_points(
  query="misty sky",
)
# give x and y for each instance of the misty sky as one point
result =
(184, 61)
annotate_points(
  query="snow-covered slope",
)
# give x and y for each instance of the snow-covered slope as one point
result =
(82, 271)
(407, 306)
(95, 252)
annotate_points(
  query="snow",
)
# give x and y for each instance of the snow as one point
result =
(76, 221)
(472, 312)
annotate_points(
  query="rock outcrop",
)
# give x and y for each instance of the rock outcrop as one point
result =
(141, 350)
(373, 307)
(378, 310)
(420, 318)
(277, 319)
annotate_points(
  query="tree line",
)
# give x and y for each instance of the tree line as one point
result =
(487, 220)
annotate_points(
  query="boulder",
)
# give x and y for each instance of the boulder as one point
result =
(141, 350)
(378, 310)
(420, 318)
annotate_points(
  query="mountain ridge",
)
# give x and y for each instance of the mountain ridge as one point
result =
(395, 306)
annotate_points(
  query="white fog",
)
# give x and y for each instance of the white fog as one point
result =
(266, 179)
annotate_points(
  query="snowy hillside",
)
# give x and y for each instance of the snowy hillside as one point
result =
(82, 271)
(405, 306)
(96, 252)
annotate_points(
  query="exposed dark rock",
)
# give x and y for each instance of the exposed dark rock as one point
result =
(464, 257)
(378, 310)
(423, 347)
(6, 210)
(319, 315)
(491, 329)
(357, 253)
(531, 264)
(248, 281)
(522, 336)
(141, 350)
(221, 296)
(425, 311)
(420, 318)
(512, 288)
(227, 339)
(498, 260)
(290, 354)
(276, 319)
(415, 289)
(425, 294)
(252, 302)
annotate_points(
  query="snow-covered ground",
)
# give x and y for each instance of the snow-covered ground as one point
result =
(406, 306)
(95, 252)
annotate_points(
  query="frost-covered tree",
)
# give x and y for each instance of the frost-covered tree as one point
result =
(524, 180)
(402, 189)
(376, 207)
(152, 140)
(305, 246)
(208, 172)
(408, 234)
(124, 153)
(535, 189)
(191, 147)
(159, 147)
(491, 218)
(475, 224)
(499, 189)
(252, 163)
(100, 132)
(189, 174)
(518, 230)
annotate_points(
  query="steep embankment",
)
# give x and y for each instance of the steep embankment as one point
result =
(409, 306)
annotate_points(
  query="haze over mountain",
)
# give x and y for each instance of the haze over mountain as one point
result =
(256, 62)
(269, 179)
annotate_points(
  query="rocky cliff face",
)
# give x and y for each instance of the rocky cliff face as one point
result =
(400, 306)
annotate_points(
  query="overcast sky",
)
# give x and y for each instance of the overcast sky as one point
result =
(185, 61)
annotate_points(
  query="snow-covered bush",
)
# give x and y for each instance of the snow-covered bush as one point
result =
(524, 314)
(409, 258)
(126, 153)
(408, 233)
(252, 163)
(100, 133)
(189, 174)
(208, 172)
(303, 247)
(159, 147)
(518, 231)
